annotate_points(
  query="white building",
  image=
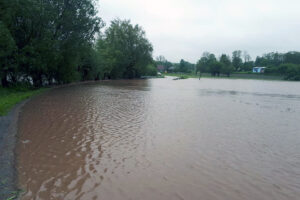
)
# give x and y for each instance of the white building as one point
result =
(258, 69)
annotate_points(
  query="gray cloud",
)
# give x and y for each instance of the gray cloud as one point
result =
(185, 29)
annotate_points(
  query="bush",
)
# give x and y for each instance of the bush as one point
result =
(289, 71)
(292, 72)
(151, 70)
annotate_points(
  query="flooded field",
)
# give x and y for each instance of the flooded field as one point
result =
(162, 140)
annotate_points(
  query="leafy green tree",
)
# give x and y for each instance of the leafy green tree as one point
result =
(292, 57)
(225, 59)
(215, 68)
(271, 59)
(151, 70)
(247, 57)
(291, 71)
(201, 65)
(237, 60)
(227, 67)
(205, 62)
(125, 49)
(7, 50)
(51, 37)
(183, 67)
(161, 60)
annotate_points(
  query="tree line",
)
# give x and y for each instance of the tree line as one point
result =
(286, 64)
(60, 41)
(283, 64)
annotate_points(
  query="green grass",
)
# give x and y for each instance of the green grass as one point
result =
(11, 96)
(232, 76)
(157, 76)
(183, 76)
(15, 195)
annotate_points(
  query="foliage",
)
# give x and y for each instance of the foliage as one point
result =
(206, 61)
(226, 67)
(125, 50)
(278, 64)
(11, 96)
(54, 42)
(184, 67)
(274, 59)
(237, 60)
(288, 70)
(292, 57)
(151, 70)
(183, 76)
(292, 72)
(215, 68)
(247, 66)
(161, 60)
(7, 50)
(48, 40)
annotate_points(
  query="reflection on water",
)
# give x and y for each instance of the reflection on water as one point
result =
(162, 139)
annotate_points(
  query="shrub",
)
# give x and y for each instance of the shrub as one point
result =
(151, 70)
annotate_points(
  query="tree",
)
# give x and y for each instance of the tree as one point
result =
(215, 68)
(248, 66)
(271, 59)
(7, 49)
(151, 70)
(183, 66)
(236, 60)
(203, 65)
(51, 37)
(227, 67)
(290, 71)
(247, 57)
(125, 49)
(292, 57)
(161, 59)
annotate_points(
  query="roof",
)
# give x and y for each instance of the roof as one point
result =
(160, 67)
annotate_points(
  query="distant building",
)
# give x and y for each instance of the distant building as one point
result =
(160, 68)
(171, 69)
(258, 70)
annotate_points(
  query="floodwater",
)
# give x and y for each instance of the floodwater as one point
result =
(161, 139)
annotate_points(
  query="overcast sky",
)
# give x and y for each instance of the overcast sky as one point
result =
(186, 28)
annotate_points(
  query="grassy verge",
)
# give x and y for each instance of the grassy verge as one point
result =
(15, 195)
(148, 77)
(182, 76)
(232, 76)
(11, 96)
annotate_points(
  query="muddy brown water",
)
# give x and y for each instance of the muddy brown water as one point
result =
(162, 139)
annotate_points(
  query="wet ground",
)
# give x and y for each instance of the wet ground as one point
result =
(163, 139)
(8, 132)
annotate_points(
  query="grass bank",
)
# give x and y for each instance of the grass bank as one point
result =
(232, 76)
(11, 96)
